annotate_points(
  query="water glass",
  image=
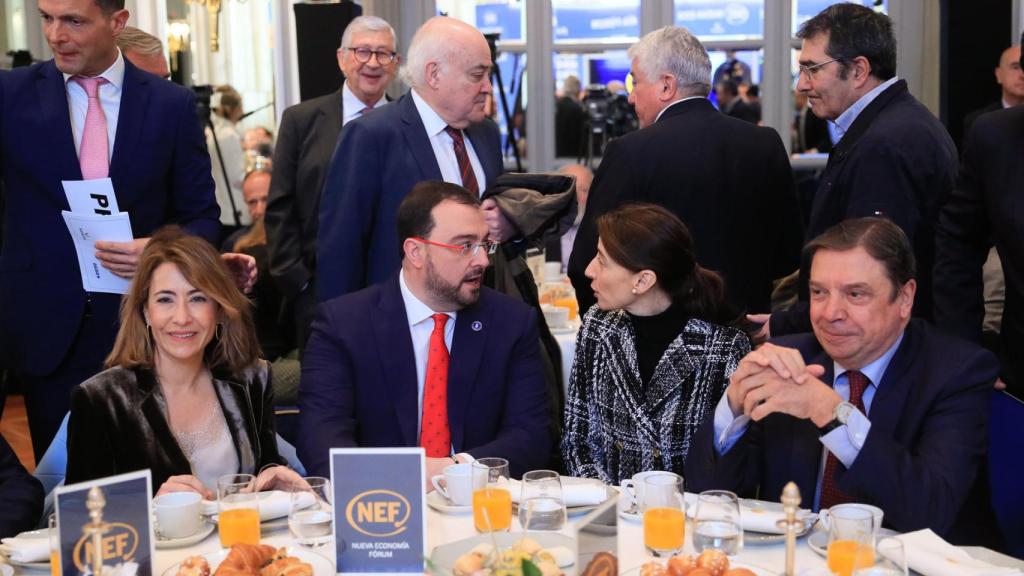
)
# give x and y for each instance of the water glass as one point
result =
(851, 540)
(541, 505)
(238, 507)
(310, 513)
(492, 501)
(661, 502)
(890, 560)
(717, 522)
(54, 534)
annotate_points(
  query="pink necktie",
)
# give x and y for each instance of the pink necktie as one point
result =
(92, 154)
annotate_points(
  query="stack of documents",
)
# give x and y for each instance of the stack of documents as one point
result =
(94, 216)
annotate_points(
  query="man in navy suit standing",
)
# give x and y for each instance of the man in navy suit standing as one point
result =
(872, 407)
(429, 357)
(86, 114)
(436, 131)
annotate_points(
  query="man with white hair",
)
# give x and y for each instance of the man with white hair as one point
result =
(308, 135)
(728, 180)
(436, 131)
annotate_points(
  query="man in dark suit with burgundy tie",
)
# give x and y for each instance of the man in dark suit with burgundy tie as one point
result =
(437, 131)
(88, 113)
(428, 357)
(897, 411)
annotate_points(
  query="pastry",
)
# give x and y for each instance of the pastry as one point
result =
(245, 560)
(603, 564)
(194, 566)
(714, 561)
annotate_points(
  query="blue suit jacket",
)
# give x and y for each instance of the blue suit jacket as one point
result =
(161, 174)
(379, 158)
(928, 438)
(359, 383)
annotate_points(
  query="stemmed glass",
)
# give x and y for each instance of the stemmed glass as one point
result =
(890, 560)
(310, 513)
(717, 522)
(541, 505)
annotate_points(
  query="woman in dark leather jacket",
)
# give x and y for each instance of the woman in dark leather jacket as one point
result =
(185, 393)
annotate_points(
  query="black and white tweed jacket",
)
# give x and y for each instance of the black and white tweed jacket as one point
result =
(614, 425)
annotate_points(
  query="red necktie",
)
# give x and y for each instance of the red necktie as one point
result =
(830, 492)
(465, 168)
(435, 437)
(92, 153)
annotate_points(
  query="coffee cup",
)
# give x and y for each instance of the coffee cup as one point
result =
(552, 271)
(555, 316)
(455, 484)
(876, 513)
(634, 487)
(178, 514)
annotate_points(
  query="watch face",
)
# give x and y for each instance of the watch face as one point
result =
(843, 411)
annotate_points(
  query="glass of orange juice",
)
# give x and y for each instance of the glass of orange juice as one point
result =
(492, 501)
(661, 502)
(851, 540)
(238, 510)
(54, 535)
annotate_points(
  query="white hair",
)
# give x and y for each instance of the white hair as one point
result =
(427, 46)
(367, 24)
(674, 50)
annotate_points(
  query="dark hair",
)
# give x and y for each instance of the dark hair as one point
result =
(729, 87)
(854, 30)
(415, 218)
(753, 91)
(236, 347)
(649, 237)
(881, 239)
(110, 6)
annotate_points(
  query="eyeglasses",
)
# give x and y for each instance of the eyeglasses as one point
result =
(384, 57)
(464, 249)
(809, 71)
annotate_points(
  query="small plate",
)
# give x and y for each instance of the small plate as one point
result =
(445, 555)
(165, 543)
(438, 502)
(577, 511)
(321, 565)
(818, 540)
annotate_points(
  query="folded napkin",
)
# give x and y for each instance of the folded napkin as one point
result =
(575, 491)
(273, 504)
(28, 547)
(933, 556)
(755, 516)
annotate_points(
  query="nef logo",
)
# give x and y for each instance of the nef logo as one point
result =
(378, 513)
(119, 545)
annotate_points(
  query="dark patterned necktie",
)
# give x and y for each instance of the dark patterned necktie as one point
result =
(830, 492)
(465, 167)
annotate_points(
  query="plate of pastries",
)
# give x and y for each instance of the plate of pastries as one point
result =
(707, 563)
(254, 560)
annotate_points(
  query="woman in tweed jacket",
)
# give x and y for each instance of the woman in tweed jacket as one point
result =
(653, 356)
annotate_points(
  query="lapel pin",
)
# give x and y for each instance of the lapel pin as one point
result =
(477, 326)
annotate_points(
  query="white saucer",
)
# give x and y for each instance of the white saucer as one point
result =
(438, 502)
(204, 531)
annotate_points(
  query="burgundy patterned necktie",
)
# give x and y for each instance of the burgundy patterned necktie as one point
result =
(465, 167)
(830, 492)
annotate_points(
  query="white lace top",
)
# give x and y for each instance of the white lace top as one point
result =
(209, 449)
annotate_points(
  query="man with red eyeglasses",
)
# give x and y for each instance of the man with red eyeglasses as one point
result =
(429, 357)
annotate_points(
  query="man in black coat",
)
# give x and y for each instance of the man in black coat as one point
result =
(308, 135)
(1010, 77)
(985, 208)
(893, 159)
(728, 180)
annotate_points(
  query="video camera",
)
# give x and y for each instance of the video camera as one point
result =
(203, 93)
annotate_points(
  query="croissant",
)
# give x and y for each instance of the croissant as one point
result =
(245, 560)
(287, 566)
(603, 564)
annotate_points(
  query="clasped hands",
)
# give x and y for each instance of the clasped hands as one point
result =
(271, 478)
(775, 379)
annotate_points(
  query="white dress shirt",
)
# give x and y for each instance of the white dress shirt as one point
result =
(110, 102)
(441, 142)
(351, 105)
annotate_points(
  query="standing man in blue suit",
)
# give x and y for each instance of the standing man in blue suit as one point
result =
(88, 113)
(428, 357)
(872, 407)
(435, 132)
